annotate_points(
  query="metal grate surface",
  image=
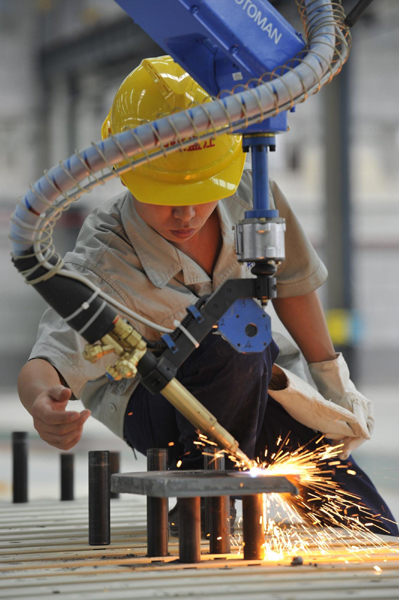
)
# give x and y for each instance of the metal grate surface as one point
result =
(44, 552)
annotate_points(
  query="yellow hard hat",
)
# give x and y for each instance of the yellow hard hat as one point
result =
(204, 171)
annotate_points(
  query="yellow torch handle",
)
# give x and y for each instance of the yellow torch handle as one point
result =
(201, 418)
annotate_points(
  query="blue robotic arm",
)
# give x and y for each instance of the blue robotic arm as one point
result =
(223, 43)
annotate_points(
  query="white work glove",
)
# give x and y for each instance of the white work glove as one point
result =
(307, 406)
(333, 382)
(342, 420)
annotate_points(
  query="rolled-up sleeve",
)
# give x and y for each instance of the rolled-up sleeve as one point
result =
(56, 342)
(302, 271)
(63, 348)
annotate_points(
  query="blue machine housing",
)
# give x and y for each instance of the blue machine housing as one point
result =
(246, 326)
(221, 43)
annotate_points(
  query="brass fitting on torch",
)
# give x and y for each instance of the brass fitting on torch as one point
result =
(124, 341)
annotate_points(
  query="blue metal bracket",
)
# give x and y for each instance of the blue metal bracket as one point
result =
(170, 343)
(246, 326)
(193, 310)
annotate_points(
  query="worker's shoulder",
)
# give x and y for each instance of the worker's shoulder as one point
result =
(106, 222)
(110, 214)
(103, 232)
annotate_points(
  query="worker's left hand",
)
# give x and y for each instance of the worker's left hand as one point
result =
(333, 382)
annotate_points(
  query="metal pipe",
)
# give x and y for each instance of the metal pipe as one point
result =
(67, 476)
(260, 186)
(20, 466)
(157, 508)
(114, 467)
(219, 540)
(357, 12)
(252, 513)
(217, 509)
(99, 498)
(189, 529)
(338, 216)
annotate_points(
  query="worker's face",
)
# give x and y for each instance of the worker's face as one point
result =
(175, 223)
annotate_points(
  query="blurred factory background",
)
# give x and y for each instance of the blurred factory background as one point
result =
(61, 63)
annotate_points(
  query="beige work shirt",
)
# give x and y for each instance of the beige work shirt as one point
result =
(131, 262)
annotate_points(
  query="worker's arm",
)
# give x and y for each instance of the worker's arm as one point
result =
(45, 398)
(304, 319)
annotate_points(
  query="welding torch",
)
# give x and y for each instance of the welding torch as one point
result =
(158, 373)
(108, 333)
(135, 358)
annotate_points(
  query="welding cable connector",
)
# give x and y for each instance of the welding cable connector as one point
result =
(124, 341)
(93, 352)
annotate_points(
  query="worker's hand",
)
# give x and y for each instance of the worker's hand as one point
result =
(333, 382)
(55, 425)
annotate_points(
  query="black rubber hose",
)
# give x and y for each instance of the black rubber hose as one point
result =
(66, 296)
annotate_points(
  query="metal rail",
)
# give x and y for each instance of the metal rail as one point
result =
(44, 551)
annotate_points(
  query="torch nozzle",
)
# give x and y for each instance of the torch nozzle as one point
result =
(201, 418)
(242, 457)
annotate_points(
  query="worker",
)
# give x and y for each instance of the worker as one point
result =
(160, 246)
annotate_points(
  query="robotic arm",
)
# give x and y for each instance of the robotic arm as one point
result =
(220, 43)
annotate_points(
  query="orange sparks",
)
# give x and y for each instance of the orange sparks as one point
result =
(323, 521)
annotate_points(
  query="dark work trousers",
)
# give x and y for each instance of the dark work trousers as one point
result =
(233, 387)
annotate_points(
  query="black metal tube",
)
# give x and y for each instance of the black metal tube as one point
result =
(213, 461)
(114, 467)
(157, 508)
(252, 513)
(67, 476)
(219, 539)
(19, 466)
(357, 12)
(189, 529)
(99, 498)
(217, 509)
